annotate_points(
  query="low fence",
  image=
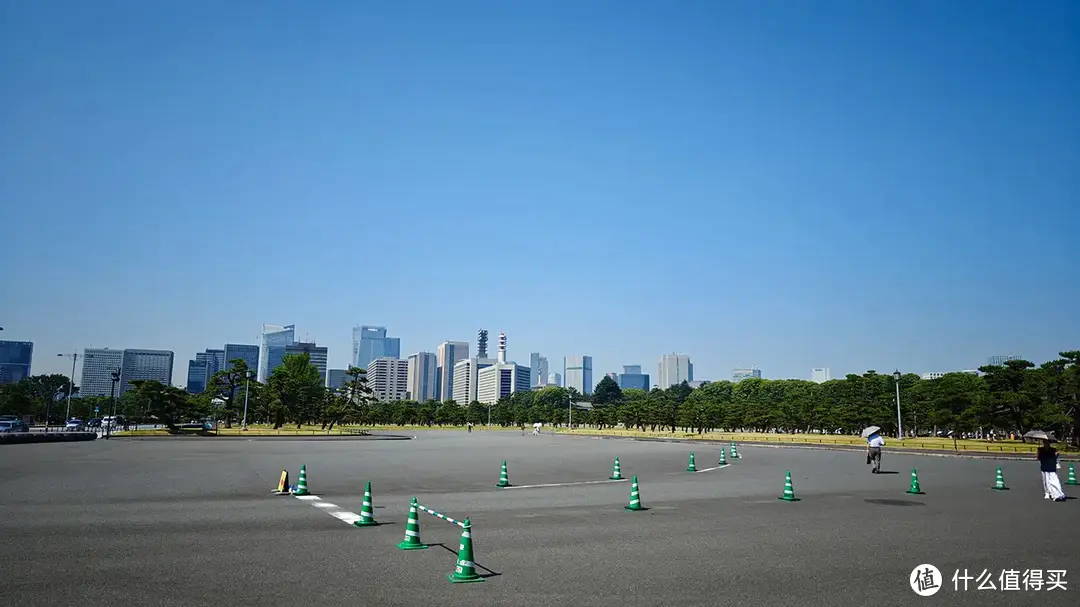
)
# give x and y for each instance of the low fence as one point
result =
(21, 438)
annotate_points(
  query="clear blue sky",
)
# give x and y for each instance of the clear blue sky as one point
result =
(845, 184)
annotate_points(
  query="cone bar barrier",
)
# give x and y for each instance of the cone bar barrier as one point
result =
(734, 451)
(465, 571)
(914, 489)
(789, 490)
(723, 457)
(412, 530)
(999, 484)
(283, 484)
(438, 515)
(616, 473)
(635, 497)
(301, 483)
(504, 480)
(691, 467)
(1072, 476)
(367, 514)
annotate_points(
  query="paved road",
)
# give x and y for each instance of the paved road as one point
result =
(191, 522)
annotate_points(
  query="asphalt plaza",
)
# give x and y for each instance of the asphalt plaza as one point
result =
(192, 522)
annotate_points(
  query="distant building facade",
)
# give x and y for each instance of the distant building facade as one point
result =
(738, 375)
(336, 378)
(999, 361)
(820, 375)
(674, 369)
(447, 356)
(554, 379)
(155, 365)
(632, 377)
(388, 378)
(272, 347)
(501, 379)
(16, 358)
(248, 353)
(465, 377)
(421, 376)
(97, 369)
(318, 355)
(538, 368)
(577, 373)
(374, 343)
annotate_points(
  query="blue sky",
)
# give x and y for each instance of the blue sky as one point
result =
(842, 184)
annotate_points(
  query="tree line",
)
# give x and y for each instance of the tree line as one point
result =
(1009, 399)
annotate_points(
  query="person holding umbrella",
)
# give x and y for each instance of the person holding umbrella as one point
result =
(874, 443)
(1048, 465)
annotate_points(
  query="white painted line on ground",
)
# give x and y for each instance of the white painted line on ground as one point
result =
(714, 468)
(306, 497)
(621, 480)
(332, 509)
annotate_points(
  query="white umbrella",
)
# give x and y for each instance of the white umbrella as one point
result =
(1040, 435)
(870, 430)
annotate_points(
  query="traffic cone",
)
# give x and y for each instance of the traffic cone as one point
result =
(412, 530)
(1072, 476)
(504, 480)
(914, 489)
(466, 568)
(999, 485)
(789, 490)
(635, 497)
(616, 474)
(301, 483)
(734, 451)
(283, 484)
(723, 457)
(691, 467)
(367, 514)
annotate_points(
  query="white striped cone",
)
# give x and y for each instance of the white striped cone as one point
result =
(635, 496)
(616, 473)
(301, 482)
(789, 490)
(465, 571)
(412, 530)
(723, 457)
(734, 451)
(367, 512)
(504, 480)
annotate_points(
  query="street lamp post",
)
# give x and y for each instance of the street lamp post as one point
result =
(112, 394)
(570, 411)
(71, 386)
(247, 385)
(899, 428)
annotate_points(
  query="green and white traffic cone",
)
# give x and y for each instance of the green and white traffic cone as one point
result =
(504, 480)
(691, 467)
(301, 482)
(412, 530)
(1072, 476)
(616, 473)
(466, 568)
(999, 485)
(789, 490)
(723, 457)
(914, 489)
(367, 513)
(734, 451)
(635, 497)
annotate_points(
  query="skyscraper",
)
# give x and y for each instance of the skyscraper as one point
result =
(448, 354)
(421, 376)
(156, 365)
(538, 368)
(97, 369)
(318, 355)
(197, 376)
(820, 375)
(747, 373)
(388, 378)
(674, 369)
(273, 341)
(15, 360)
(577, 373)
(374, 344)
(249, 354)
(336, 378)
(632, 377)
(501, 379)
(554, 379)
(998, 361)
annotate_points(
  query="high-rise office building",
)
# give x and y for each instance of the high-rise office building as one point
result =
(97, 369)
(501, 379)
(272, 346)
(554, 379)
(747, 373)
(156, 365)
(197, 375)
(15, 360)
(421, 379)
(317, 354)
(577, 373)
(673, 370)
(388, 378)
(538, 368)
(248, 353)
(465, 379)
(374, 344)
(998, 361)
(448, 354)
(820, 375)
(632, 377)
(336, 378)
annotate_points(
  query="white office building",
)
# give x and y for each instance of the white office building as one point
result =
(554, 379)
(577, 373)
(674, 369)
(940, 374)
(738, 375)
(538, 369)
(448, 354)
(465, 378)
(156, 365)
(274, 337)
(388, 378)
(421, 377)
(97, 368)
(502, 378)
(820, 375)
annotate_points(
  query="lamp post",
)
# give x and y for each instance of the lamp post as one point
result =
(112, 394)
(899, 428)
(570, 411)
(71, 386)
(247, 385)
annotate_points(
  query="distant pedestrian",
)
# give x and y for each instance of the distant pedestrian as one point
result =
(1048, 465)
(873, 451)
(470, 427)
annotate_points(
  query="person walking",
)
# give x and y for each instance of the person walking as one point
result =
(1048, 465)
(874, 443)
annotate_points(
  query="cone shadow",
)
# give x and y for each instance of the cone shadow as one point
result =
(489, 573)
(887, 472)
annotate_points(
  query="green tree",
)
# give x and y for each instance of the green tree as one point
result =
(359, 394)
(226, 383)
(169, 405)
(47, 392)
(296, 390)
